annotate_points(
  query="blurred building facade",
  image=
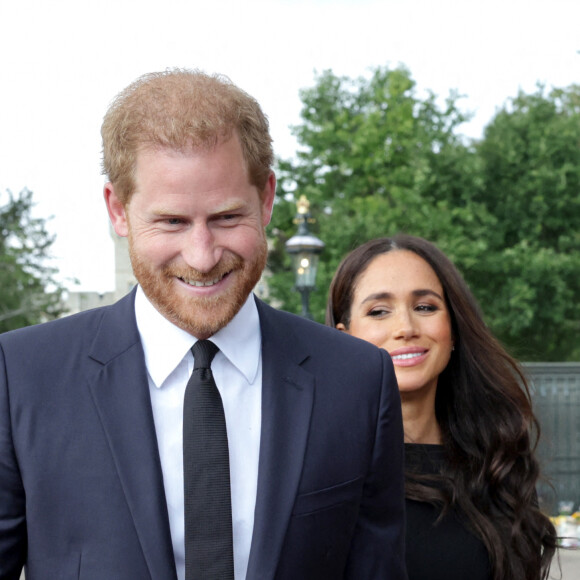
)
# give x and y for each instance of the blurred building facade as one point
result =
(556, 395)
(124, 282)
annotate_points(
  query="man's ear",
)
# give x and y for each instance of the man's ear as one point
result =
(268, 199)
(116, 211)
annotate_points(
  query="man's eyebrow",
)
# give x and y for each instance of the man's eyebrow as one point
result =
(163, 211)
(230, 207)
(388, 295)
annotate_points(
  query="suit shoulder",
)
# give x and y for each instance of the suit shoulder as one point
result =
(320, 337)
(55, 330)
(62, 331)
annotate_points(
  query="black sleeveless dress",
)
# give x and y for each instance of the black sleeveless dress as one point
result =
(445, 550)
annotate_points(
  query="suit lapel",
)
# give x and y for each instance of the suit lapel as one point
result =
(287, 397)
(121, 395)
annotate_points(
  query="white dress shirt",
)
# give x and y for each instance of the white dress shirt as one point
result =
(237, 369)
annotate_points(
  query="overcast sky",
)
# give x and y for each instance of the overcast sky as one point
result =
(62, 62)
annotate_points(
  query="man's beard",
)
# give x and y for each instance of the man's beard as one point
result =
(200, 316)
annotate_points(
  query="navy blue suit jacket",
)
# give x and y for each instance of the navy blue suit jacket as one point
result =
(81, 487)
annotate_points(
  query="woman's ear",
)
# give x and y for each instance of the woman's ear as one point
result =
(340, 326)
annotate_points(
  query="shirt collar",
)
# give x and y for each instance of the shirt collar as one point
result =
(165, 345)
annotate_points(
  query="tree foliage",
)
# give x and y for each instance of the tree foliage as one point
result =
(529, 281)
(28, 292)
(375, 159)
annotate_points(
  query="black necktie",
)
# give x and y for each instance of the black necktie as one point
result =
(209, 553)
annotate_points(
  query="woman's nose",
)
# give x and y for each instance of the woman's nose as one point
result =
(405, 326)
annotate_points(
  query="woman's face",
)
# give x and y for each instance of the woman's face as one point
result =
(399, 305)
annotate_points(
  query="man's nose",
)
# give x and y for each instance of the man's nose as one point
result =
(200, 250)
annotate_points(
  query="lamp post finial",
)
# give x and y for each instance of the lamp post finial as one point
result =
(303, 205)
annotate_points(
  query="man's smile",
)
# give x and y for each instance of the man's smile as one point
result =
(202, 282)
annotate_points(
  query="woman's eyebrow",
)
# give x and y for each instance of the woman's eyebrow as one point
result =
(388, 295)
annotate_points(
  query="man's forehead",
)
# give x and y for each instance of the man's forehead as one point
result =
(189, 147)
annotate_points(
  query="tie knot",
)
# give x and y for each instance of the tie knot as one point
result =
(203, 353)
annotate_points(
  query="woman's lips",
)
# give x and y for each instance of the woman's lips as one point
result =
(409, 356)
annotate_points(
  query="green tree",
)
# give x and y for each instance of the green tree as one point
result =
(375, 159)
(529, 281)
(28, 292)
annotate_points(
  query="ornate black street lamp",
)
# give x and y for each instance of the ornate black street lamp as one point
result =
(304, 249)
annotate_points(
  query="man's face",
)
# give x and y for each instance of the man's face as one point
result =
(196, 233)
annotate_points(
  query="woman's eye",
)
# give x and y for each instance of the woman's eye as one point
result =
(377, 312)
(426, 308)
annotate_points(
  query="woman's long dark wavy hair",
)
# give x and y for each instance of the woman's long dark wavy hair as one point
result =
(483, 407)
